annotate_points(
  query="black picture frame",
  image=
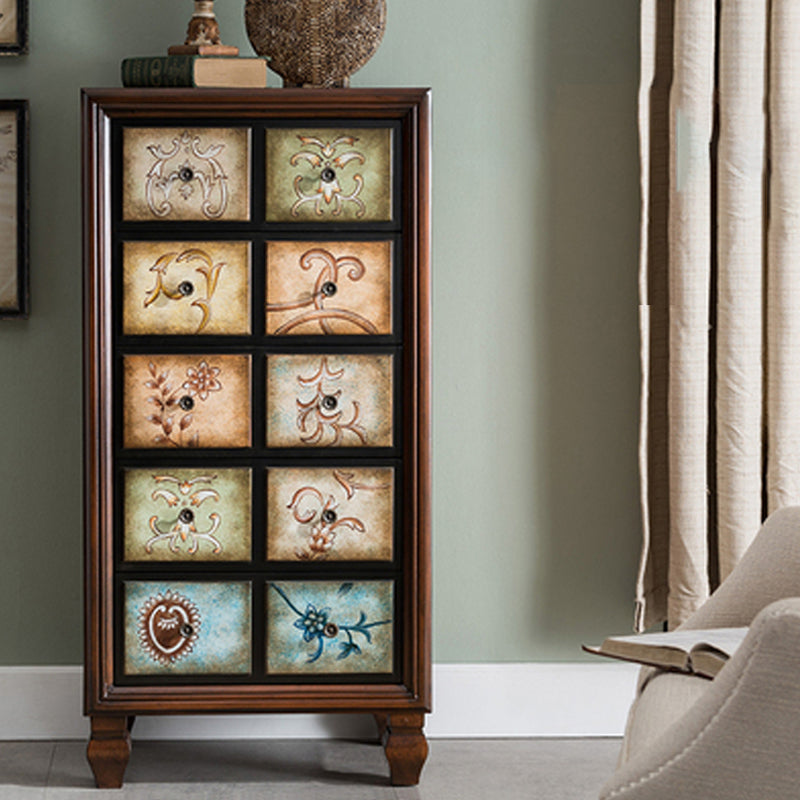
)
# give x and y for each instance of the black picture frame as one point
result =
(15, 42)
(14, 183)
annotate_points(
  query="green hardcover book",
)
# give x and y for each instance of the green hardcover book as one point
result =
(191, 70)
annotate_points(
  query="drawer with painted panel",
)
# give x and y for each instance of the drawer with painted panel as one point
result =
(329, 175)
(187, 628)
(323, 288)
(185, 288)
(330, 514)
(179, 401)
(185, 174)
(331, 400)
(330, 627)
(190, 515)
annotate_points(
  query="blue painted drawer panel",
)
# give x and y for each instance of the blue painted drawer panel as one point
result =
(176, 628)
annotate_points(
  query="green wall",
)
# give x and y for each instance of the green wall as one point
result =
(535, 335)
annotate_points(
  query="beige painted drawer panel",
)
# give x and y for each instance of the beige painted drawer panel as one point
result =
(333, 514)
(178, 401)
(329, 288)
(178, 514)
(182, 288)
(186, 174)
(329, 400)
(329, 175)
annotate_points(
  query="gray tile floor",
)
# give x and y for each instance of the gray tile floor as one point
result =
(544, 769)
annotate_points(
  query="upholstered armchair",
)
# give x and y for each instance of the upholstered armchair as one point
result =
(735, 737)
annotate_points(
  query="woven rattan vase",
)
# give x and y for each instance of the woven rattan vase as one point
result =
(315, 42)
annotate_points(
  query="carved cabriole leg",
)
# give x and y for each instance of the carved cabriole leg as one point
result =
(382, 721)
(406, 747)
(109, 750)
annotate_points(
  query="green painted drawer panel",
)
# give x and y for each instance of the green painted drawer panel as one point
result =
(176, 514)
(329, 175)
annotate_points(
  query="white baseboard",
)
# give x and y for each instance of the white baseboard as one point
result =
(470, 700)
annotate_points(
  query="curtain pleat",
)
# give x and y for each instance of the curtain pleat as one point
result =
(690, 224)
(740, 256)
(783, 261)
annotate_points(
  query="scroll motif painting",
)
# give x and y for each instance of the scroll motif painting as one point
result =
(180, 288)
(13, 27)
(334, 627)
(329, 400)
(329, 175)
(329, 288)
(179, 401)
(177, 514)
(13, 208)
(186, 174)
(187, 628)
(330, 514)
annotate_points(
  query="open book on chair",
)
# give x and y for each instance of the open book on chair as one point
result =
(702, 652)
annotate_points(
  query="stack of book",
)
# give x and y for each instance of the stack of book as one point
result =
(195, 70)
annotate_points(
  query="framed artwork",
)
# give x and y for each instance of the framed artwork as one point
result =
(13, 27)
(13, 209)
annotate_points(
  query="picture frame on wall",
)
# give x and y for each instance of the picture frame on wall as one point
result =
(13, 209)
(13, 27)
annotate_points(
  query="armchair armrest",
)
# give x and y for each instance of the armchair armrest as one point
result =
(768, 571)
(739, 739)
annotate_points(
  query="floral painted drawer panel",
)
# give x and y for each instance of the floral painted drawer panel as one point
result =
(186, 401)
(179, 288)
(330, 627)
(186, 174)
(329, 400)
(329, 175)
(316, 514)
(174, 628)
(329, 287)
(175, 514)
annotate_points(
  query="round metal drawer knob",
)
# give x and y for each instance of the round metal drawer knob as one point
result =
(329, 402)
(329, 288)
(186, 288)
(186, 516)
(186, 402)
(186, 174)
(328, 175)
(187, 630)
(329, 516)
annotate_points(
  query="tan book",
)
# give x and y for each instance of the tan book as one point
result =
(700, 652)
(194, 70)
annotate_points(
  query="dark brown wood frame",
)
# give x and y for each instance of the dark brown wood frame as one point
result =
(399, 708)
(20, 309)
(20, 46)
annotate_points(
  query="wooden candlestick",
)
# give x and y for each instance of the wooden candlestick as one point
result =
(202, 34)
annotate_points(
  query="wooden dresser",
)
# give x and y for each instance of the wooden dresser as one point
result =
(256, 409)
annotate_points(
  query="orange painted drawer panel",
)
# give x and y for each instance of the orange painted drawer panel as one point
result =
(329, 287)
(186, 401)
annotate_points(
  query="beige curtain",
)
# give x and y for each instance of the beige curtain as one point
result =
(719, 121)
